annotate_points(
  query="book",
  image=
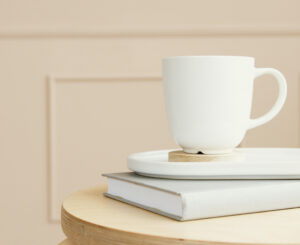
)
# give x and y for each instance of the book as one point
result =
(197, 199)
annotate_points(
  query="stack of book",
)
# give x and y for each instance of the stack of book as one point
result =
(197, 199)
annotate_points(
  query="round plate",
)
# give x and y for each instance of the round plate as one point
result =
(259, 163)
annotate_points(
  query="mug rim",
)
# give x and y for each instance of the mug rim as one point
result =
(207, 56)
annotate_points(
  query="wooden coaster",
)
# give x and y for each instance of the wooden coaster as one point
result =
(181, 156)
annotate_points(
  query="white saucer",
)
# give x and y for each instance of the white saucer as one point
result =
(259, 163)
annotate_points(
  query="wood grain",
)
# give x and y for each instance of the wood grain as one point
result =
(67, 242)
(90, 218)
(181, 156)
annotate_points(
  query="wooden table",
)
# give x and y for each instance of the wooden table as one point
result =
(89, 218)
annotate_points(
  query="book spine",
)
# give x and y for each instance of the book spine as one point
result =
(240, 200)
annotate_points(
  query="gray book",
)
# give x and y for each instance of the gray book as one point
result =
(197, 199)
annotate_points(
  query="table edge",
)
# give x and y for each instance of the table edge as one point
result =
(84, 232)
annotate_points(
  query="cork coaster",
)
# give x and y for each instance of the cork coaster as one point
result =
(181, 156)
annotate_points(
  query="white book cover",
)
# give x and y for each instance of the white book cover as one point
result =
(197, 199)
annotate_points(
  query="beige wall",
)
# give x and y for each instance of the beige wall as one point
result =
(80, 89)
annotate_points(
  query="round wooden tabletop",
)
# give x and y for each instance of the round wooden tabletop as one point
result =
(90, 218)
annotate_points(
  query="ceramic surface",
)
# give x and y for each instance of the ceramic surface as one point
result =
(208, 100)
(259, 163)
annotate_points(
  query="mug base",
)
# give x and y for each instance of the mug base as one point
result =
(208, 152)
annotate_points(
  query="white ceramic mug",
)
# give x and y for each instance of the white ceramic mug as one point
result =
(209, 98)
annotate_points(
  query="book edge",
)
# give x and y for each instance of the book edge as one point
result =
(153, 210)
(139, 183)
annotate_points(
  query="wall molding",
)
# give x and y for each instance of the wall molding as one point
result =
(51, 97)
(151, 32)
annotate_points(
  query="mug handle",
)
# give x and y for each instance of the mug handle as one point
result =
(280, 99)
